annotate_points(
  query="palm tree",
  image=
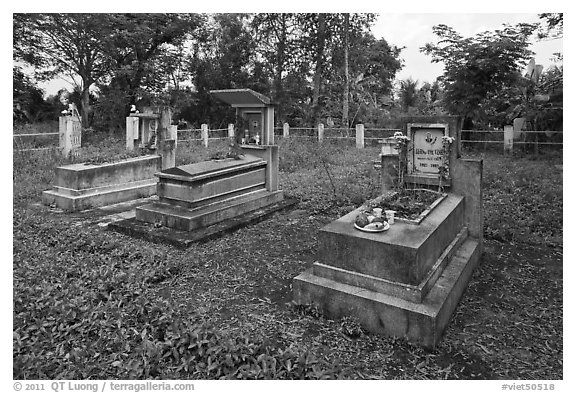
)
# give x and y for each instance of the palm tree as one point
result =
(408, 93)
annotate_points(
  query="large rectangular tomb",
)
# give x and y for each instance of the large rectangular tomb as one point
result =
(82, 186)
(202, 194)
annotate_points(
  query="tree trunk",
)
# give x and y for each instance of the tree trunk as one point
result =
(321, 41)
(279, 90)
(345, 103)
(85, 105)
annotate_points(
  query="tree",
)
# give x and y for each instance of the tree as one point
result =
(346, 93)
(278, 41)
(318, 68)
(554, 26)
(408, 93)
(138, 41)
(28, 101)
(478, 66)
(65, 44)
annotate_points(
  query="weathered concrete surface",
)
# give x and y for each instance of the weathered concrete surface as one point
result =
(183, 239)
(203, 194)
(81, 176)
(210, 169)
(74, 200)
(82, 186)
(467, 175)
(270, 154)
(208, 189)
(180, 218)
(389, 172)
(405, 253)
(415, 293)
(421, 322)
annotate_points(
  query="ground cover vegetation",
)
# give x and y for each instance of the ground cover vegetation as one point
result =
(89, 303)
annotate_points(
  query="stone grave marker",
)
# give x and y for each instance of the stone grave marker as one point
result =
(406, 280)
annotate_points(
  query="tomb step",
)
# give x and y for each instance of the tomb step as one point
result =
(190, 205)
(420, 322)
(102, 189)
(178, 217)
(95, 198)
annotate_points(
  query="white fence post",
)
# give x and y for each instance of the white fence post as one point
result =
(286, 130)
(231, 131)
(131, 131)
(360, 136)
(204, 134)
(508, 138)
(320, 132)
(62, 133)
(70, 135)
(173, 134)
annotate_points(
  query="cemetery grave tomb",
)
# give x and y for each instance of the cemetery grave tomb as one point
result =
(405, 281)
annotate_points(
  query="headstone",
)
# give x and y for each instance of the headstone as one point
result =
(427, 149)
(519, 124)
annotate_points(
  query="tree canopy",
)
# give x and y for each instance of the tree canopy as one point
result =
(297, 59)
(477, 67)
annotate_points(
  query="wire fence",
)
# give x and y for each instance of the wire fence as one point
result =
(509, 138)
(20, 144)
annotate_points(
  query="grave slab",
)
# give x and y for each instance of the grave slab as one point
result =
(83, 186)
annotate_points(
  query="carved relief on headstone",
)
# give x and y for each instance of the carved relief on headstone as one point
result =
(426, 155)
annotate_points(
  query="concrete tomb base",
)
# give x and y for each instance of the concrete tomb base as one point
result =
(417, 308)
(83, 186)
(199, 201)
(406, 281)
(202, 194)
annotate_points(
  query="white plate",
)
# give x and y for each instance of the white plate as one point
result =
(373, 227)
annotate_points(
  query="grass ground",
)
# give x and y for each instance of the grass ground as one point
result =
(89, 303)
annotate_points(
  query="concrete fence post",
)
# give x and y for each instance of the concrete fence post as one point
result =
(508, 139)
(131, 132)
(204, 134)
(173, 135)
(320, 132)
(360, 136)
(69, 135)
(231, 131)
(62, 133)
(286, 130)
